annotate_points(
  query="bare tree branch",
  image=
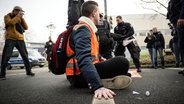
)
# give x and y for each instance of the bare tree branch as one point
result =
(155, 11)
(154, 5)
(161, 4)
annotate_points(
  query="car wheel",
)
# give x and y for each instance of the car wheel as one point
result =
(22, 67)
(41, 65)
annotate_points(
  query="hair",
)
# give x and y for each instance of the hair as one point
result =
(101, 15)
(88, 7)
(119, 17)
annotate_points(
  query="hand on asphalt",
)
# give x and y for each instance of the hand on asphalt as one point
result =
(104, 92)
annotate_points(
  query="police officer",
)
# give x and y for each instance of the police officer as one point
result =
(105, 41)
(126, 31)
(48, 48)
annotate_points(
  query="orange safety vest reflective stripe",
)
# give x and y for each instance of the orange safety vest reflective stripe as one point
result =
(94, 52)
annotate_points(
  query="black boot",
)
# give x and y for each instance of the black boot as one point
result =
(181, 72)
(31, 74)
(2, 77)
(139, 70)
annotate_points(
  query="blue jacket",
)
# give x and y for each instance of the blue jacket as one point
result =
(80, 42)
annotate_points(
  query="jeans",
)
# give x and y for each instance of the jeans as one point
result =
(7, 52)
(160, 51)
(150, 50)
(176, 52)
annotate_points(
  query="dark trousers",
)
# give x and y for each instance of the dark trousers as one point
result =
(119, 50)
(133, 50)
(106, 54)
(135, 54)
(107, 69)
(7, 52)
(180, 31)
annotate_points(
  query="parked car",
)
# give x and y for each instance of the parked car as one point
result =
(35, 59)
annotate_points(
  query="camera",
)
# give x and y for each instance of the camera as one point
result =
(171, 26)
(21, 13)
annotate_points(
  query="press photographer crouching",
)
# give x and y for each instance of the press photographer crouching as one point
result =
(15, 25)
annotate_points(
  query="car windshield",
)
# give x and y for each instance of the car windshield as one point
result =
(33, 53)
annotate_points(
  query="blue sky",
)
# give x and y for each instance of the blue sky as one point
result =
(39, 13)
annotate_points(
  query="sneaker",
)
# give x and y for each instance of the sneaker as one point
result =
(2, 77)
(118, 82)
(31, 74)
(102, 101)
(163, 67)
(155, 67)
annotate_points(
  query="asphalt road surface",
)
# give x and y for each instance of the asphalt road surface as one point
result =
(166, 86)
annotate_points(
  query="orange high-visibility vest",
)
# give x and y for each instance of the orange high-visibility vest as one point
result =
(94, 52)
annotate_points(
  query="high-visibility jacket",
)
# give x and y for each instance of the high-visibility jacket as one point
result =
(94, 52)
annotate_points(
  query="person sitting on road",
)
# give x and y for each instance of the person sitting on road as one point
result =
(85, 69)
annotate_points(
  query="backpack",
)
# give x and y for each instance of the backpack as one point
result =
(58, 57)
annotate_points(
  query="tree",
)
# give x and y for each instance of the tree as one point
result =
(155, 5)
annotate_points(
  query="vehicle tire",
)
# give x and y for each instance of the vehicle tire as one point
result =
(41, 66)
(22, 67)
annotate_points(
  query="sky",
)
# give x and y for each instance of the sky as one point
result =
(40, 13)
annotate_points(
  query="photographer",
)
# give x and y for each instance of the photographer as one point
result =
(15, 25)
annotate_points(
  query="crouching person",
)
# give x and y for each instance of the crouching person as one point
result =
(85, 69)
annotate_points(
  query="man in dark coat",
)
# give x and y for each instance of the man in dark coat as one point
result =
(176, 16)
(126, 31)
(149, 46)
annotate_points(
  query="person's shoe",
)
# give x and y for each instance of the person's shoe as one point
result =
(2, 77)
(155, 67)
(129, 74)
(151, 66)
(177, 65)
(102, 101)
(139, 70)
(181, 72)
(118, 82)
(163, 67)
(31, 74)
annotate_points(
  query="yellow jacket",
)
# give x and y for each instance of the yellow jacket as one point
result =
(11, 32)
